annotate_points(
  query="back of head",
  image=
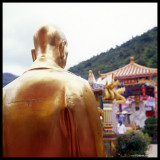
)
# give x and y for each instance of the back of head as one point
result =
(47, 35)
(50, 42)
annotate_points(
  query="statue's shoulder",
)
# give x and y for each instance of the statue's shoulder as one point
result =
(74, 79)
(64, 76)
(11, 87)
(12, 84)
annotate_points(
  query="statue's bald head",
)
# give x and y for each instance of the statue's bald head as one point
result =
(48, 35)
(50, 41)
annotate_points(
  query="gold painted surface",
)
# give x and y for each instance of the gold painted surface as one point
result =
(111, 94)
(50, 112)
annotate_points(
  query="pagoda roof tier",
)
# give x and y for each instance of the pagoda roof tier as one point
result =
(132, 70)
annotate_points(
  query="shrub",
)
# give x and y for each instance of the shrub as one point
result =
(107, 148)
(132, 145)
(148, 139)
(151, 127)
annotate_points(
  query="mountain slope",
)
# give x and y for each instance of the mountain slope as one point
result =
(8, 77)
(143, 48)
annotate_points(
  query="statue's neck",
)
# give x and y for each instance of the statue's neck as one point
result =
(44, 62)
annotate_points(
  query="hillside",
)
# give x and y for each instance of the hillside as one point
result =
(143, 48)
(8, 77)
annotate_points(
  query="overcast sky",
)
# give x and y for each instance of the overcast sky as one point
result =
(90, 28)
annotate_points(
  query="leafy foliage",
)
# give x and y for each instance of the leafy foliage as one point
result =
(143, 48)
(148, 140)
(151, 127)
(132, 144)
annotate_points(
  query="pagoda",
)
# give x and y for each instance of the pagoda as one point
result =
(137, 79)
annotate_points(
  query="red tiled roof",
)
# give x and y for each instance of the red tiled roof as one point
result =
(132, 70)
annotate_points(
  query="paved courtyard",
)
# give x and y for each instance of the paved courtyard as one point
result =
(152, 152)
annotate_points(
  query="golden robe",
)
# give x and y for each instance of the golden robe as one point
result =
(49, 112)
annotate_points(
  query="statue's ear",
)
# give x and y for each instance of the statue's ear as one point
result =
(33, 54)
(61, 50)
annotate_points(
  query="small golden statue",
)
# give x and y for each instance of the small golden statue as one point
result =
(50, 112)
(110, 93)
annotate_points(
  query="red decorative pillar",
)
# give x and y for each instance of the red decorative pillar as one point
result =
(155, 96)
(120, 107)
(120, 110)
(144, 92)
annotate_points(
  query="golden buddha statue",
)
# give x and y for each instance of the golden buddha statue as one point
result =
(50, 112)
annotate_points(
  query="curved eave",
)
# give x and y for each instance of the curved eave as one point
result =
(126, 71)
(135, 76)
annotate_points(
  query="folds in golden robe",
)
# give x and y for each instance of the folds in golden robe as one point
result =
(47, 115)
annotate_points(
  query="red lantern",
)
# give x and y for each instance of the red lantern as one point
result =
(144, 92)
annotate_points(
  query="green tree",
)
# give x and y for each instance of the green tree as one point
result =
(132, 144)
(151, 128)
(143, 48)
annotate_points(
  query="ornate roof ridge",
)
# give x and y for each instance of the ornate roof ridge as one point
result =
(130, 70)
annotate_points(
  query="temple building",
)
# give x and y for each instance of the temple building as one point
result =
(139, 81)
(140, 94)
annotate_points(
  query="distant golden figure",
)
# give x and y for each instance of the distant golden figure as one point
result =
(50, 112)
